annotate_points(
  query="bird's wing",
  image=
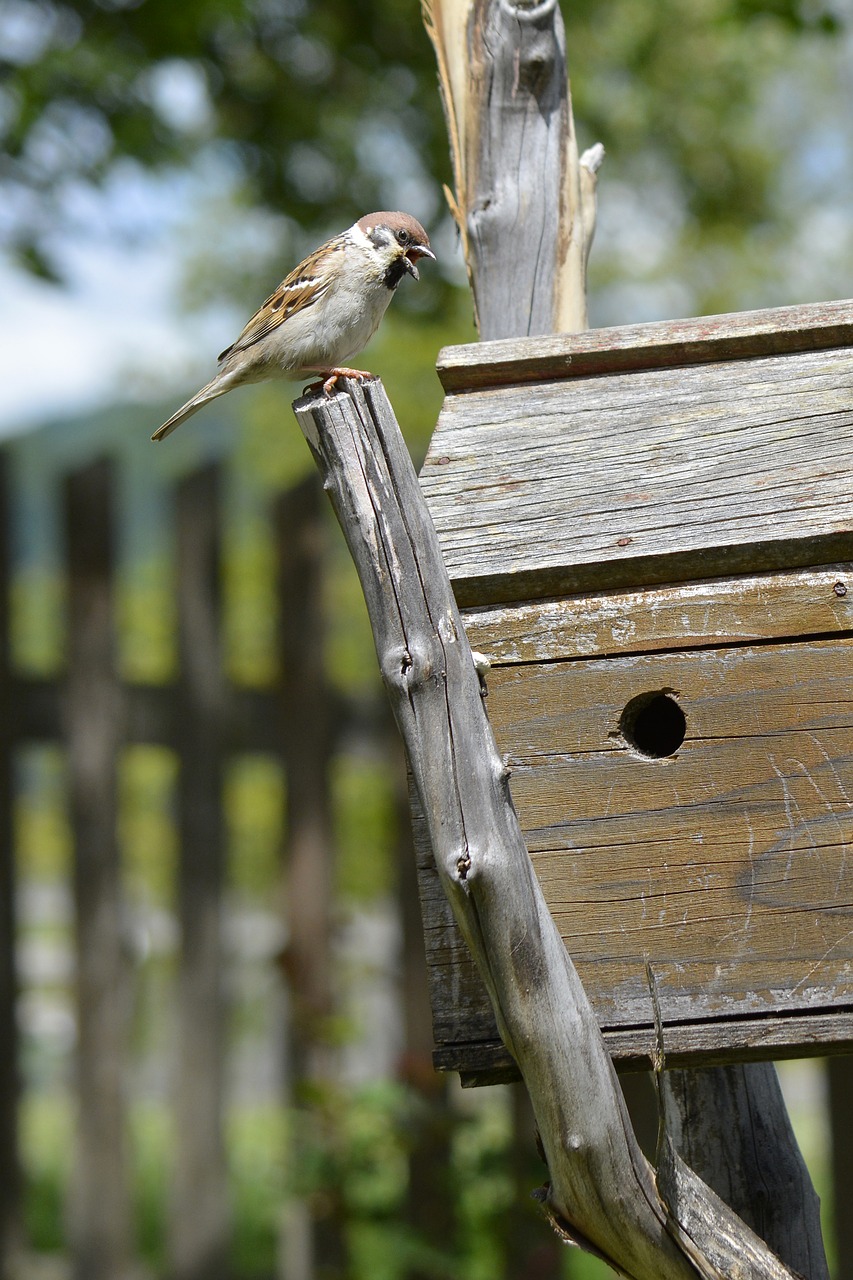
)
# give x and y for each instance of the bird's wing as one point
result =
(302, 288)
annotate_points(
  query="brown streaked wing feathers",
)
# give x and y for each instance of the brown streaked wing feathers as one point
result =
(304, 285)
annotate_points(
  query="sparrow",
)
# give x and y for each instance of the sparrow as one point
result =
(322, 314)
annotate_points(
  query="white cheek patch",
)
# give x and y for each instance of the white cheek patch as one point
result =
(360, 237)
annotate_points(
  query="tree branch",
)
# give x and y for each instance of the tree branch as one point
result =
(504, 85)
(602, 1191)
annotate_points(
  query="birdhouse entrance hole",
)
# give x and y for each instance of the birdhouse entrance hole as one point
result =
(649, 531)
(653, 724)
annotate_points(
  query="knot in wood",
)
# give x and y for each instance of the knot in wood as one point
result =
(398, 665)
(415, 665)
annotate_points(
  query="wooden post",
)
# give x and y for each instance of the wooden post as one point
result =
(602, 1192)
(508, 108)
(93, 719)
(307, 741)
(312, 1237)
(430, 1199)
(524, 202)
(731, 1126)
(841, 1117)
(10, 1173)
(199, 1225)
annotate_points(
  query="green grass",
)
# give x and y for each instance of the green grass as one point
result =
(351, 1148)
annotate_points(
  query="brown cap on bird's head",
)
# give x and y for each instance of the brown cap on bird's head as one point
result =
(408, 232)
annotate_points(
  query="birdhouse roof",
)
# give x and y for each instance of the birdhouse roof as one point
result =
(645, 453)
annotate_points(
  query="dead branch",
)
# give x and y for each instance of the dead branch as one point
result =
(602, 1191)
(523, 202)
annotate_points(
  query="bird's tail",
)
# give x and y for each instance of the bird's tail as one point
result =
(216, 387)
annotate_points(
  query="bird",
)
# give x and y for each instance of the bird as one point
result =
(321, 315)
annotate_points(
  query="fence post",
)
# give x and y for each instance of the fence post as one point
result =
(10, 1173)
(840, 1079)
(93, 713)
(312, 1229)
(199, 1225)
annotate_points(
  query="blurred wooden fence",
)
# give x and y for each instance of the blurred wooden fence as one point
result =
(203, 719)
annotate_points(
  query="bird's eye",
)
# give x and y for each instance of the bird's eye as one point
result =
(403, 236)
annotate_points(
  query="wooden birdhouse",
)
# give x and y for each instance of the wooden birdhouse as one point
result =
(650, 533)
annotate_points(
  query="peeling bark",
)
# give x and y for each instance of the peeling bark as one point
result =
(524, 202)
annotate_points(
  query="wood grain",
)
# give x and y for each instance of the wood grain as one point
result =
(505, 92)
(751, 1145)
(738, 335)
(726, 867)
(665, 475)
(687, 1044)
(810, 602)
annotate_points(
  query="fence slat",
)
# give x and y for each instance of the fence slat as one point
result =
(101, 1205)
(841, 1121)
(313, 1242)
(10, 1173)
(199, 1224)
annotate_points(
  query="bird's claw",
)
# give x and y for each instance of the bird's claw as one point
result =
(327, 384)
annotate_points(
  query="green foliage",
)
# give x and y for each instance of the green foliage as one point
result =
(285, 93)
(323, 111)
(36, 610)
(363, 800)
(254, 804)
(47, 1131)
(147, 834)
(257, 1140)
(42, 835)
(147, 623)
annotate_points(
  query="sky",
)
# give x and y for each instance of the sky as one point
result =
(115, 330)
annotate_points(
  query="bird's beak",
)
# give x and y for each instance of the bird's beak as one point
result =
(416, 251)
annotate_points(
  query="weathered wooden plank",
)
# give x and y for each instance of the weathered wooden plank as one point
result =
(667, 474)
(710, 1229)
(739, 335)
(725, 866)
(559, 710)
(100, 1210)
(744, 835)
(811, 602)
(688, 1044)
(313, 1239)
(199, 1221)
(152, 715)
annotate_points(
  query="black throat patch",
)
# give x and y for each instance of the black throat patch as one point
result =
(395, 273)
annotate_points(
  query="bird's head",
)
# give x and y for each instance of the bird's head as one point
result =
(398, 240)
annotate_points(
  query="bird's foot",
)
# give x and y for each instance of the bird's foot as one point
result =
(327, 382)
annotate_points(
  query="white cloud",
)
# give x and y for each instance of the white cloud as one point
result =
(112, 336)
